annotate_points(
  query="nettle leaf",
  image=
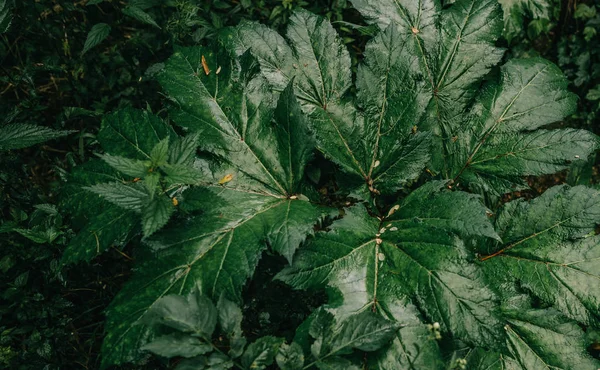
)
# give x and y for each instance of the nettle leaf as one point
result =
(114, 226)
(156, 213)
(132, 133)
(128, 196)
(550, 249)
(22, 135)
(97, 34)
(248, 203)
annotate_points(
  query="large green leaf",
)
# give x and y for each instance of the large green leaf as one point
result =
(132, 133)
(377, 147)
(497, 146)
(218, 250)
(376, 264)
(247, 203)
(231, 110)
(544, 339)
(550, 249)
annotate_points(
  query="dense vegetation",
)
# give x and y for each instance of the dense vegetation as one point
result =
(388, 185)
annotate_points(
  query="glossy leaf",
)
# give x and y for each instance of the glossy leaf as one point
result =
(531, 93)
(544, 339)
(549, 250)
(381, 269)
(132, 133)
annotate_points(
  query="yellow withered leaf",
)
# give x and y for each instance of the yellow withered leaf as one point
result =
(226, 179)
(175, 201)
(205, 66)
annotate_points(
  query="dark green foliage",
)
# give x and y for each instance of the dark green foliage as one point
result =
(427, 254)
(372, 160)
(190, 324)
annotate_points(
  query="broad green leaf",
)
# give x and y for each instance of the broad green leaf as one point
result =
(128, 196)
(469, 30)
(531, 93)
(194, 314)
(99, 230)
(230, 321)
(322, 59)
(380, 270)
(230, 111)
(177, 345)
(261, 353)
(315, 55)
(290, 357)
(431, 205)
(156, 213)
(97, 34)
(415, 19)
(516, 11)
(182, 151)
(452, 48)
(21, 135)
(130, 167)
(295, 136)
(219, 361)
(160, 152)
(139, 14)
(132, 133)
(365, 331)
(217, 250)
(549, 250)
(377, 148)
(544, 339)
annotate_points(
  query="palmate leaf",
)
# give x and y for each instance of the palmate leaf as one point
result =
(430, 63)
(425, 266)
(544, 339)
(550, 250)
(377, 148)
(249, 204)
(379, 264)
(493, 150)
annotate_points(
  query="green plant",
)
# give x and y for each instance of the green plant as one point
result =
(190, 324)
(529, 18)
(429, 128)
